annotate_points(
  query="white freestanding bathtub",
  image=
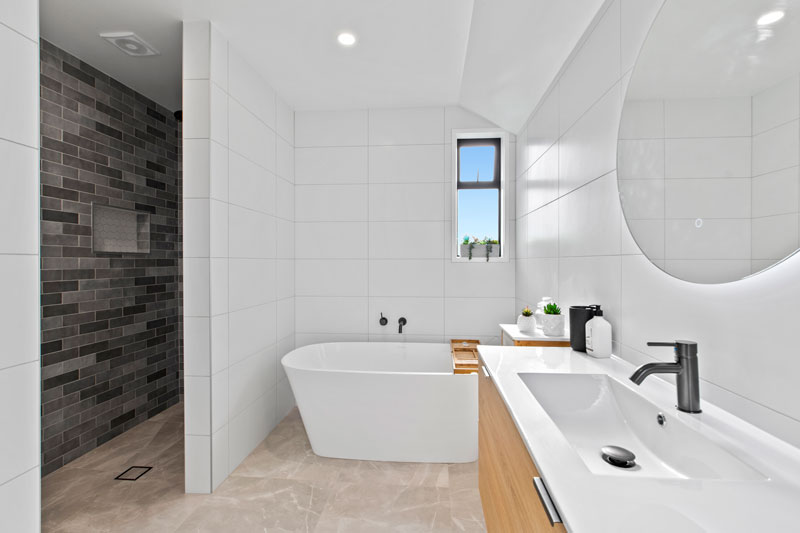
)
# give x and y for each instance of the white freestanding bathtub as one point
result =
(385, 401)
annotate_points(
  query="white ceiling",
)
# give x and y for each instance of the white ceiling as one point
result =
(496, 57)
(714, 48)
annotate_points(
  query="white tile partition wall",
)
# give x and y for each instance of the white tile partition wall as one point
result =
(373, 228)
(746, 329)
(19, 267)
(238, 256)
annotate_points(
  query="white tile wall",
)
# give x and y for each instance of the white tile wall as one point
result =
(644, 303)
(372, 204)
(19, 203)
(239, 266)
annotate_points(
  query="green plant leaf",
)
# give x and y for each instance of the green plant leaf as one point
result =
(552, 309)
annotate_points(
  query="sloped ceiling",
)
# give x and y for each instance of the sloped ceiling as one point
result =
(515, 50)
(495, 57)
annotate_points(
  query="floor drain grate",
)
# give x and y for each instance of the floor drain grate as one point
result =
(133, 473)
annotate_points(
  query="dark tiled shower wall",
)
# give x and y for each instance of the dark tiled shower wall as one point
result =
(111, 323)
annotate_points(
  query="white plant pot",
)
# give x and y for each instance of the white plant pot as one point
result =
(553, 325)
(526, 323)
(479, 251)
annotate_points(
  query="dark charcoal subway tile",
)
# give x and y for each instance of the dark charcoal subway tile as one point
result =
(57, 381)
(112, 318)
(77, 74)
(59, 216)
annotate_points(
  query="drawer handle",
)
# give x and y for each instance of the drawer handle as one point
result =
(485, 372)
(544, 496)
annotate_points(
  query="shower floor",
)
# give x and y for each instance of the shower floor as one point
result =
(280, 486)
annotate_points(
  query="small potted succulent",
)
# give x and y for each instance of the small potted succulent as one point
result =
(486, 248)
(552, 320)
(525, 321)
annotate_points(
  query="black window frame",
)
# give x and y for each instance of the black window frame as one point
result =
(495, 183)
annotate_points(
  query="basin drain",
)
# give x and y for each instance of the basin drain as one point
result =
(618, 456)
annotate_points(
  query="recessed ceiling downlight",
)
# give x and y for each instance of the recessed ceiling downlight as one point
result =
(130, 43)
(346, 39)
(770, 18)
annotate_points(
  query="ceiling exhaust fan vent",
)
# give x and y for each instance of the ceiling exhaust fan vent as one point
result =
(130, 43)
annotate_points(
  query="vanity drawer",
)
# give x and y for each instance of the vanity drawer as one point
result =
(506, 471)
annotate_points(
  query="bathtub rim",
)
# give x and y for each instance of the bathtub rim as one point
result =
(343, 371)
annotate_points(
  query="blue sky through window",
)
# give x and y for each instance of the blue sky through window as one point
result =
(478, 213)
(476, 161)
(477, 208)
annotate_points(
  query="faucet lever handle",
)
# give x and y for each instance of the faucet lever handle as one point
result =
(668, 344)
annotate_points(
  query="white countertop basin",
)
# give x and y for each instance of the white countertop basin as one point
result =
(698, 472)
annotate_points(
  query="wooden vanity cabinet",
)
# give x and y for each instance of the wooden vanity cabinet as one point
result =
(506, 471)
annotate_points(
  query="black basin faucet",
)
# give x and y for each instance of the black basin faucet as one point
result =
(402, 323)
(685, 366)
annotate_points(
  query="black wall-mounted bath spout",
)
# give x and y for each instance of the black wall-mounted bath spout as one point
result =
(402, 323)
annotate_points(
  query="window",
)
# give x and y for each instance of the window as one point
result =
(479, 201)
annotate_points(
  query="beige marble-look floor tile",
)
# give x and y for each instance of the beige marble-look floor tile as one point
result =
(390, 473)
(357, 507)
(281, 486)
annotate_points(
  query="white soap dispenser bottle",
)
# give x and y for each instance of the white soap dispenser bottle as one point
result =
(598, 335)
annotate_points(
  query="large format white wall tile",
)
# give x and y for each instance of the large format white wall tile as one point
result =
(251, 330)
(19, 95)
(588, 219)
(777, 105)
(589, 281)
(542, 232)
(776, 193)
(338, 164)
(541, 185)
(422, 125)
(19, 198)
(285, 120)
(251, 185)
(252, 234)
(777, 148)
(707, 117)
(406, 164)
(542, 130)
(20, 449)
(716, 239)
(642, 119)
(252, 282)
(197, 458)
(250, 137)
(425, 316)
(19, 502)
(23, 18)
(708, 158)
(331, 315)
(477, 316)
(641, 159)
(331, 277)
(394, 202)
(406, 240)
(406, 277)
(479, 278)
(250, 90)
(334, 203)
(775, 237)
(588, 150)
(331, 240)
(19, 323)
(700, 198)
(330, 128)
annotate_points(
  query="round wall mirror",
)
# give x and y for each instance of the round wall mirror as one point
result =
(709, 141)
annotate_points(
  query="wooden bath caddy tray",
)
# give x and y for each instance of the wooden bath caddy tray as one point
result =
(465, 355)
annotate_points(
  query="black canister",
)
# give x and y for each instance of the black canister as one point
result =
(579, 315)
